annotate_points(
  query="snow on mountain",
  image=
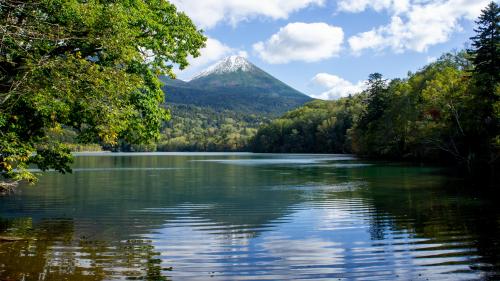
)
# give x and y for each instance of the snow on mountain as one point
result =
(227, 65)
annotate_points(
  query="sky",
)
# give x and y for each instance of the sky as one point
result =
(327, 48)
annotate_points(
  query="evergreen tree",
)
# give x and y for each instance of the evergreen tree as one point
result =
(485, 57)
(486, 49)
(376, 99)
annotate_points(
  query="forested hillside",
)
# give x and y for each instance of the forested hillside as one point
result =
(195, 128)
(449, 111)
(221, 108)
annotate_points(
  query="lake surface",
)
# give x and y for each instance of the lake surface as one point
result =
(248, 217)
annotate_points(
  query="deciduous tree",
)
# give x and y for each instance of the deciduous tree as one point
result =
(87, 66)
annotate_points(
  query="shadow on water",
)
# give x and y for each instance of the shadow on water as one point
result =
(227, 216)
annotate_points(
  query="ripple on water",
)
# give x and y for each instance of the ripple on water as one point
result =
(298, 160)
(271, 218)
(329, 239)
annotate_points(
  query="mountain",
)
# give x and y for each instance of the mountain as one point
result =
(235, 84)
(221, 108)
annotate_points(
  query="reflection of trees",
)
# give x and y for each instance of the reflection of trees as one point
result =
(433, 207)
(236, 194)
(50, 252)
(238, 201)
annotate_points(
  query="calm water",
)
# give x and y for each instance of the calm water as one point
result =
(248, 217)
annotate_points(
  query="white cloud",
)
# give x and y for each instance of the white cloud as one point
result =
(356, 6)
(214, 50)
(336, 87)
(299, 41)
(243, 54)
(414, 25)
(207, 13)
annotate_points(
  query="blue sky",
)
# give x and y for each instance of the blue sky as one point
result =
(327, 48)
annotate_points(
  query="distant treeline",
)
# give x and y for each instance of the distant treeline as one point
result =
(191, 128)
(449, 111)
(201, 128)
(441, 113)
(195, 128)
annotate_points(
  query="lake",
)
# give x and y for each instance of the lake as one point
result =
(239, 216)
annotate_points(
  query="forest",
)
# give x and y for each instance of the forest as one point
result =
(201, 128)
(447, 112)
(204, 129)
(86, 76)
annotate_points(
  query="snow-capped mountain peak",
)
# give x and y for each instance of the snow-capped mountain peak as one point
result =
(227, 65)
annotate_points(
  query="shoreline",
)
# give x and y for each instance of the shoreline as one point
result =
(7, 187)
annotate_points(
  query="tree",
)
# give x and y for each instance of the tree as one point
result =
(368, 124)
(485, 54)
(318, 126)
(485, 57)
(446, 113)
(375, 99)
(87, 66)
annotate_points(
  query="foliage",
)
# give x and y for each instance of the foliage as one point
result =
(449, 111)
(485, 57)
(319, 126)
(486, 48)
(89, 67)
(195, 128)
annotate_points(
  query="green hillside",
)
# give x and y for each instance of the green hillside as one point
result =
(221, 109)
(246, 91)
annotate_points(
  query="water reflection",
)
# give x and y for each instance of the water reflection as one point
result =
(49, 251)
(244, 216)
